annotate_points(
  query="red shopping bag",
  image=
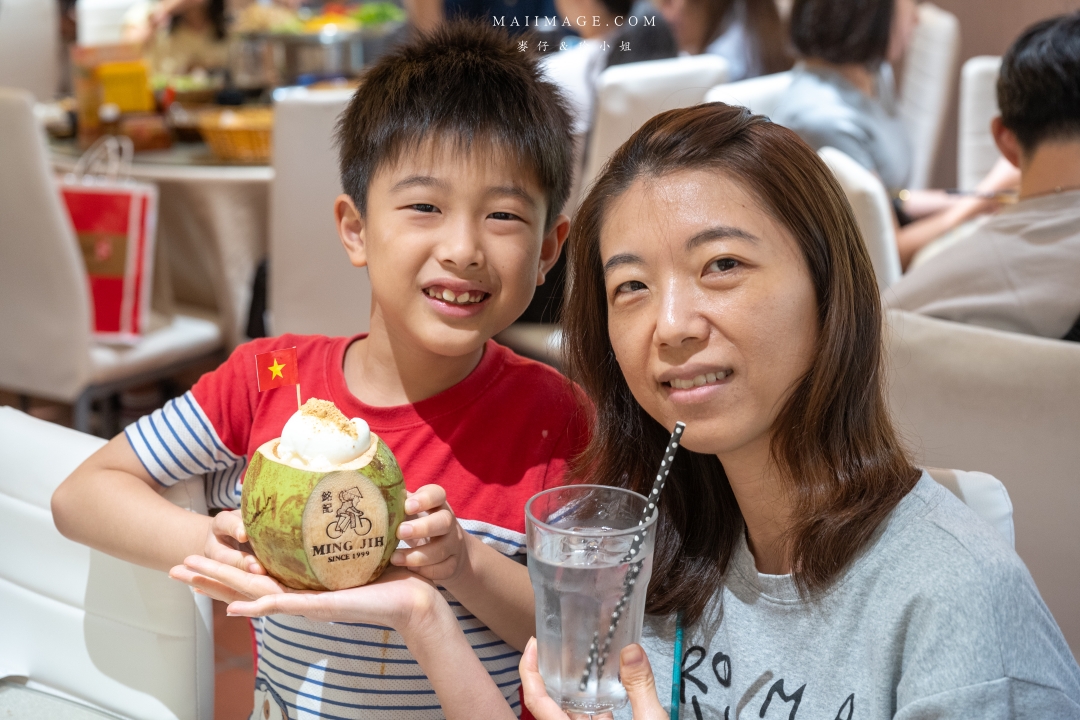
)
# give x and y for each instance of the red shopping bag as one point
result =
(115, 221)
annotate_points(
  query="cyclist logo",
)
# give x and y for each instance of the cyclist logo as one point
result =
(350, 516)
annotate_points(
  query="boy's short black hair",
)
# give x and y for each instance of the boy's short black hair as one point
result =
(842, 31)
(463, 83)
(1038, 89)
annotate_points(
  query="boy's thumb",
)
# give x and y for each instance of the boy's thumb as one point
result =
(637, 677)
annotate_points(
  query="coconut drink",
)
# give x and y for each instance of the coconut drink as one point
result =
(322, 503)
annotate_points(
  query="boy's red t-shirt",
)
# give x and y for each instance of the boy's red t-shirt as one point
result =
(504, 433)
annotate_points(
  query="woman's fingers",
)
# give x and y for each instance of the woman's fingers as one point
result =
(425, 499)
(636, 675)
(532, 685)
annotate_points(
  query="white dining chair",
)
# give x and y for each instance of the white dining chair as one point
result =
(312, 287)
(30, 47)
(80, 625)
(1007, 404)
(761, 94)
(984, 494)
(628, 95)
(929, 76)
(976, 150)
(46, 349)
(873, 213)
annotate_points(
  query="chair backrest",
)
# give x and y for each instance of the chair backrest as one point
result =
(44, 296)
(761, 94)
(873, 213)
(83, 624)
(984, 494)
(628, 95)
(1008, 404)
(29, 47)
(926, 92)
(976, 151)
(313, 289)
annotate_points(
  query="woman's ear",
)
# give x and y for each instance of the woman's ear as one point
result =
(552, 245)
(351, 229)
(1006, 141)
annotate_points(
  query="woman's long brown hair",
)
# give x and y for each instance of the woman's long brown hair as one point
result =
(832, 440)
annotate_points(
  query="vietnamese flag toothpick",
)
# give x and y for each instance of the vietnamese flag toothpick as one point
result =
(277, 368)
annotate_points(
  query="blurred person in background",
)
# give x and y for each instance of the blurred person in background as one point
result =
(180, 36)
(1019, 271)
(747, 33)
(844, 96)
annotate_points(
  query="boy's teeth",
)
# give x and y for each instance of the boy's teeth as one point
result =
(450, 296)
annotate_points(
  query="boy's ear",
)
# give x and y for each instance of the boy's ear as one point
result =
(552, 245)
(1006, 141)
(351, 229)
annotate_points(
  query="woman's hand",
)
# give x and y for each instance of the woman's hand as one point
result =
(398, 599)
(634, 671)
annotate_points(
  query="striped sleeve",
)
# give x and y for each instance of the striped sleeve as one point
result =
(177, 442)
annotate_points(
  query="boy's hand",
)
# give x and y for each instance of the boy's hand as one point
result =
(398, 599)
(227, 542)
(439, 546)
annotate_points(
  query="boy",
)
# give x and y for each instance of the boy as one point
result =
(455, 162)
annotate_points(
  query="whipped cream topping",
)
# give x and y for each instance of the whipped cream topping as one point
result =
(320, 438)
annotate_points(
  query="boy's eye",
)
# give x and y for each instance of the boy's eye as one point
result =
(722, 265)
(424, 208)
(503, 216)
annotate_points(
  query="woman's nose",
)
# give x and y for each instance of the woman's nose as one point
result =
(679, 322)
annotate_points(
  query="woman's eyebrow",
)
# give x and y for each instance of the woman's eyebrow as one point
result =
(718, 233)
(621, 259)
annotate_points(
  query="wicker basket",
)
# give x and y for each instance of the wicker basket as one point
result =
(241, 134)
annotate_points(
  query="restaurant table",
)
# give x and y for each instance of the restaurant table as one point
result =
(19, 702)
(212, 227)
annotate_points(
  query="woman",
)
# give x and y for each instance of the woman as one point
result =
(717, 277)
(843, 96)
(747, 33)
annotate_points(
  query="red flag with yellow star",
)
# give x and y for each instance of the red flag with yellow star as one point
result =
(277, 368)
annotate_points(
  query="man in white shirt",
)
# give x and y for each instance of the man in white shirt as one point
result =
(1020, 271)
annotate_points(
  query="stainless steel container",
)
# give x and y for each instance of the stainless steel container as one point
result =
(264, 60)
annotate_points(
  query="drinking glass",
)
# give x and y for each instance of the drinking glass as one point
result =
(578, 538)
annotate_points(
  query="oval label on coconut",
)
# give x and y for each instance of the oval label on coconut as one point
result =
(345, 523)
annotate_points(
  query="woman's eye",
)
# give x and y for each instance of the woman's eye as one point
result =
(630, 286)
(722, 265)
(503, 216)
(424, 208)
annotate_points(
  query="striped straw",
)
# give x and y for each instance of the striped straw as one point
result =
(598, 656)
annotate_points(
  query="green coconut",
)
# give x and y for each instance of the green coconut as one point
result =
(326, 530)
